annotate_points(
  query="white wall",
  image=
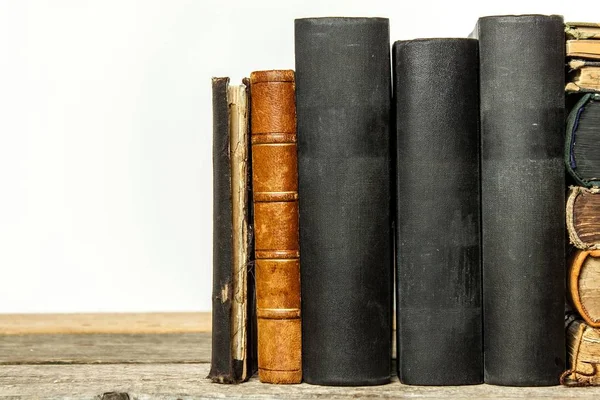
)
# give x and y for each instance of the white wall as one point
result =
(105, 135)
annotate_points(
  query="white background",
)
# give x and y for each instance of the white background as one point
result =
(105, 135)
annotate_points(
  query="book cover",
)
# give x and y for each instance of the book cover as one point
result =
(232, 297)
(439, 305)
(522, 80)
(582, 153)
(583, 217)
(275, 191)
(343, 95)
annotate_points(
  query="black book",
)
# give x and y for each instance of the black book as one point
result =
(522, 68)
(582, 147)
(233, 357)
(436, 98)
(343, 95)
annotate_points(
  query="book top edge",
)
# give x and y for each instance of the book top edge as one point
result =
(522, 17)
(341, 20)
(581, 24)
(436, 40)
(273, 75)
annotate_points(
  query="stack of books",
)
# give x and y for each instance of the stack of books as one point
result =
(582, 159)
(433, 174)
(583, 51)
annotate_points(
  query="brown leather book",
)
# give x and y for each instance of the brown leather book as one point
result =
(275, 192)
(583, 285)
(583, 217)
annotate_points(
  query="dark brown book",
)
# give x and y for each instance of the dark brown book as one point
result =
(232, 297)
(275, 191)
(583, 217)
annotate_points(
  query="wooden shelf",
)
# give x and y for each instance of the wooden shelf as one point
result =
(167, 356)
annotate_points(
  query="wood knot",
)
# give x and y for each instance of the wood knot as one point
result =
(115, 396)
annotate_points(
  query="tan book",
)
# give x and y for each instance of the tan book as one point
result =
(583, 48)
(583, 352)
(582, 30)
(583, 285)
(584, 78)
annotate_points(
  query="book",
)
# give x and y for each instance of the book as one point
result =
(343, 94)
(583, 349)
(232, 294)
(275, 193)
(522, 108)
(582, 30)
(582, 153)
(584, 76)
(583, 217)
(583, 285)
(438, 298)
(583, 48)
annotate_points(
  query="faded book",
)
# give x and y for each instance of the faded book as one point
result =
(232, 317)
(583, 48)
(582, 153)
(583, 351)
(584, 78)
(582, 30)
(583, 285)
(583, 217)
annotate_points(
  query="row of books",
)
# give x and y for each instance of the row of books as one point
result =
(582, 158)
(336, 187)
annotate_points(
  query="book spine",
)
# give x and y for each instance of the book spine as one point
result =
(222, 370)
(343, 105)
(583, 217)
(523, 196)
(232, 319)
(439, 316)
(275, 191)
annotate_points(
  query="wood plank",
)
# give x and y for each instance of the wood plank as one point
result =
(105, 348)
(20, 324)
(186, 381)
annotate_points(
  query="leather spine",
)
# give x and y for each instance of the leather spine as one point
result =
(275, 184)
(580, 291)
(583, 217)
(522, 68)
(439, 306)
(343, 103)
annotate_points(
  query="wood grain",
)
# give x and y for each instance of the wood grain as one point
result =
(127, 323)
(186, 381)
(100, 348)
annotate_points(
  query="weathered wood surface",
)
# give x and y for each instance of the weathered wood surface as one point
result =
(18, 324)
(137, 365)
(105, 348)
(186, 381)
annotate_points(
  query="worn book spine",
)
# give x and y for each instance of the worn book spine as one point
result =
(343, 104)
(522, 197)
(582, 155)
(438, 309)
(583, 285)
(275, 190)
(583, 217)
(583, 350)
(231, 360)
